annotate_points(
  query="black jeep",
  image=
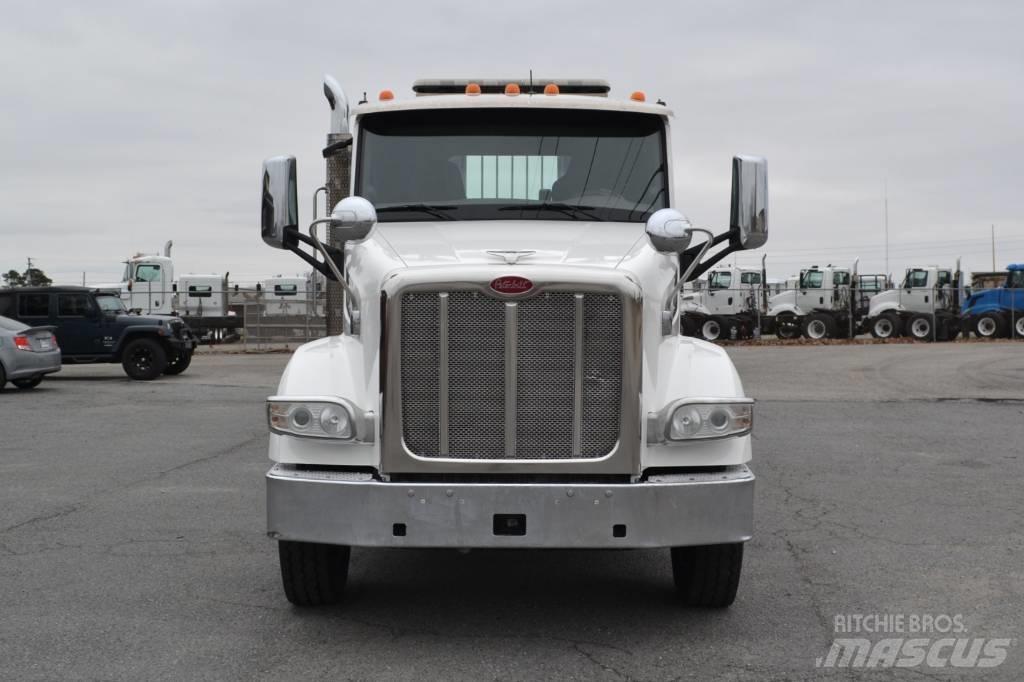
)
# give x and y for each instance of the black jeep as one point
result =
(93, 326)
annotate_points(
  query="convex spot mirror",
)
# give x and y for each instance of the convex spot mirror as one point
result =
(354, 217)
(280, 209)
(748, 217)
(669, 231)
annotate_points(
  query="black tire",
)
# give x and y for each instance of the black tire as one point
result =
(886, 326)
(787, 327)
(313, 574)
(178, 364)
(921, 327)
(3, 377)
(707, 575)
(687, 326)
(144, 359)
(1018, 326)
(31, 382)
(990, 326)
(712, 329)
(819, 326)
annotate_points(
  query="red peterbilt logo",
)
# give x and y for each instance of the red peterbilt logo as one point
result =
(511, 284)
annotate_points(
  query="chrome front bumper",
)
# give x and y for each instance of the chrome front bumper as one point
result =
(347, 508)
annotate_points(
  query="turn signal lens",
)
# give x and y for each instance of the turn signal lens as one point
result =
(472, 88)
(638, 96)
(550, 89)
(511, 89)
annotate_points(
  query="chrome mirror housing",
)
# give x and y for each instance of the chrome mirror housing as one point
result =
(749, 213)
(669, 231)
(354, 217)
(280, 210)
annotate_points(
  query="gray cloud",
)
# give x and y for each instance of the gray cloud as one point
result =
(126, 124)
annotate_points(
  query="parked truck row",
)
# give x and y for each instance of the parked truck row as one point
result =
(931, 303)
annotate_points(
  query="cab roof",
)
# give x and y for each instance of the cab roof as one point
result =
(502, 101)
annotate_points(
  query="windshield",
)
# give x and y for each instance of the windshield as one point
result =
(512, 164)
(109, 303)
(1015, 280)
(719, 280)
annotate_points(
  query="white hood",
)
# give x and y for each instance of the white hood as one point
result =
(467, 242)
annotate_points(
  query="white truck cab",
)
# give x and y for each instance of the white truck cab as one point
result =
(285, 295)
(924, 307)
(148, 284)
(510, 371)
(728, 307)
(819, 305)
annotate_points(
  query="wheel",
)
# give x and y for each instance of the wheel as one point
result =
(313, 574)
(990, 326)
(687, 326)
(3, 377)
(711, 330)
(886, 326)
(707, 575)
(920, 327)
(144, 359)
(819, 326)
(787, 327)
(179, 364)
(31, 382)
(1018, 328)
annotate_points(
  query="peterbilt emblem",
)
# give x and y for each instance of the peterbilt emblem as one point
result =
(511, 285)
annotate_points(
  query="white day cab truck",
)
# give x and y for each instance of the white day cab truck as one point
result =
(731, 306)
(511, 372)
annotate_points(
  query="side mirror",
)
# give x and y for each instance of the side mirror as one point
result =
(669, 231)
(354, 217)
(280, 210)
(749, 213)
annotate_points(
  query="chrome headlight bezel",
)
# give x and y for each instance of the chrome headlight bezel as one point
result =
(716, 418)
(282, 410)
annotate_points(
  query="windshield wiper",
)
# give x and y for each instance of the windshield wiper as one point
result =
(430, 209)
(571, 210)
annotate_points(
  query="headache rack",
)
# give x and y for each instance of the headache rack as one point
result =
(496, 86)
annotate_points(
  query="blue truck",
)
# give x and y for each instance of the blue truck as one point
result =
(999, 312)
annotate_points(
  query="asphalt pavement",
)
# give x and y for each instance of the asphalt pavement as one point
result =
(132, 538)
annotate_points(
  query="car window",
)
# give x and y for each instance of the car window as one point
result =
(812, 279)
(33, 305)
(286, 289)
(750, 278)
(1016, 279)
(73, 305)
(841, 279)
(200, 291)
(916, 279)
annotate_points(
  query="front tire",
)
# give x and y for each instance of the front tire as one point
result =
(313, 574)
(707, 575)
(179, 364)
(886, 326)
(31, 382)
(711, 330)
(990, 326)
(819, 326)
(144, 359)
(787, 327)
(921, 327)
(1018, 328)
(3, 377)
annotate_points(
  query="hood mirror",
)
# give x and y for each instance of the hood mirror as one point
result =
(669, 231)
(749, 213)
(354, 217)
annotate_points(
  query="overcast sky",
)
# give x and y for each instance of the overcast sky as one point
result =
(123, 125)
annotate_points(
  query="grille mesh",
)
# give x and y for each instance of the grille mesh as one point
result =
(545, 373)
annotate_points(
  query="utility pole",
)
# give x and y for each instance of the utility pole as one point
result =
(993, 248)
(886, 204)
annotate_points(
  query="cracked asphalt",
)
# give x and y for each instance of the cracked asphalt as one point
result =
(132, 545)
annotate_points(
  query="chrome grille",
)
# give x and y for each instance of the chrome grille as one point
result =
(487, 378)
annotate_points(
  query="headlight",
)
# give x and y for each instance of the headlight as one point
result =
(704, 419)
(311, 419)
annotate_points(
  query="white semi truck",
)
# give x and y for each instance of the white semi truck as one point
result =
(510, 372)
(925, 307)
(729, 307)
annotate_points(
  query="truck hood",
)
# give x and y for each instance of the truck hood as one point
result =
(553, 242)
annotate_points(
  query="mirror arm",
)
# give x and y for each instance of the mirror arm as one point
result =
(703, 266)
(349, 292)
(667, 308)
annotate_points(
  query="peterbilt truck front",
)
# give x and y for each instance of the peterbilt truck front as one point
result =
(510, 372)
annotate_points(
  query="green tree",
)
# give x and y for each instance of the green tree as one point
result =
(32, 277)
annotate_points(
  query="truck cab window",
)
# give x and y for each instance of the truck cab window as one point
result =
(719, 280)
(841, 279)
(286, 289)
(512, 164)
(147, 273)
(200, 291)
(34, 305)
(750, 278)
(945, 277)
(916, 279)
(1016, 279)
(812, 279)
